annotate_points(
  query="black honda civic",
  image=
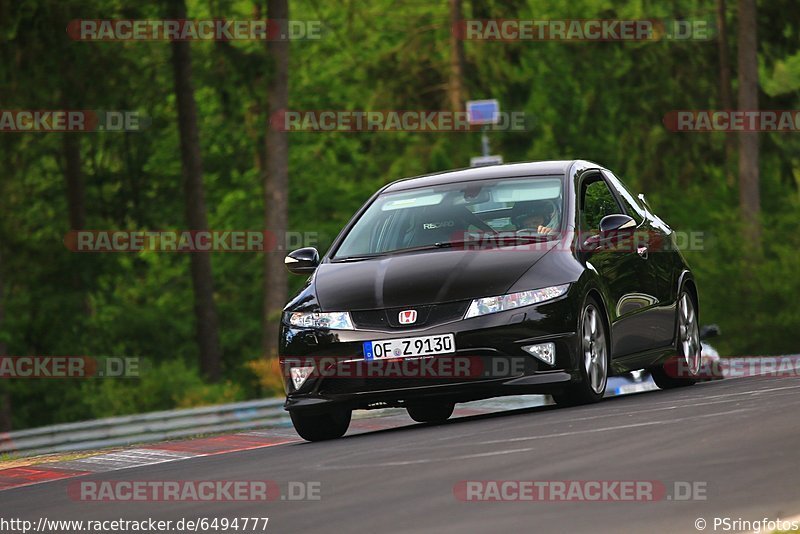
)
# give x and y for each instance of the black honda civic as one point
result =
(542, 277)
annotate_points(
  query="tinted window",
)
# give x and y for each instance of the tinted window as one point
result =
(632, 207)
(597, 202)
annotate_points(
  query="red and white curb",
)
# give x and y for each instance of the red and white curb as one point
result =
(17, 477)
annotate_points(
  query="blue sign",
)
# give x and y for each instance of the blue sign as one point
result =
(483, 111)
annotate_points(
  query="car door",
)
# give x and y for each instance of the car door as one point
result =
(621, 268)
(651, 245)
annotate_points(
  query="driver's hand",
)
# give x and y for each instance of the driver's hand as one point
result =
(544, 230)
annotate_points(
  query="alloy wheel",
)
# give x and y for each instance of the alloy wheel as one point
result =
(594, 349)
(689, 334)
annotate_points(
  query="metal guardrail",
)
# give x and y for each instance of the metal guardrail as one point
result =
(145, 428)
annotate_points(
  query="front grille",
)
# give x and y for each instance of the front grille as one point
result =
(428, 315)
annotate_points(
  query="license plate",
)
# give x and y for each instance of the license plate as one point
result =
(409, 347)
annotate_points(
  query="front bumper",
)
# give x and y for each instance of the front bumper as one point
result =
(489, 360)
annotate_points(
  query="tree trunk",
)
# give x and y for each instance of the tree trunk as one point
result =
(749, 198)
(455, 90)
(276, 183)
(76, 207)
(725, 87)
(207, 326)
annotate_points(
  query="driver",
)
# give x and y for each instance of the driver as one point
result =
(539, 217)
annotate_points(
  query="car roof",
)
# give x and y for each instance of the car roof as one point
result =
(532, 168)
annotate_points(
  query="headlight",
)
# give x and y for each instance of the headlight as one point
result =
(332, 320)
(513, 300)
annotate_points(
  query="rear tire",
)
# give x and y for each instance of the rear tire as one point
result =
(593, 354)
(431, 412)
(682, 370)
(321, 426)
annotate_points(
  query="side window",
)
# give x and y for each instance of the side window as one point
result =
(632, 207)
(596, 202)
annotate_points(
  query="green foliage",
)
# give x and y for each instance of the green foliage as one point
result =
(169, 384)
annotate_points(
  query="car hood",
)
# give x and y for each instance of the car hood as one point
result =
(422, 278)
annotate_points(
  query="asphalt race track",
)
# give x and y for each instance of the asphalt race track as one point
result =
(738, 437)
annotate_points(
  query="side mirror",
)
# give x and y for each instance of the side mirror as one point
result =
(616, 222)
(709, 330)
(609, 226)
(302, 260)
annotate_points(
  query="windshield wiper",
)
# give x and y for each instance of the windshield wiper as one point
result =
(360, 257)
(526, 238)
(500, 241)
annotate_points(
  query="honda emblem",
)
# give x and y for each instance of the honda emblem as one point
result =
(408, 317)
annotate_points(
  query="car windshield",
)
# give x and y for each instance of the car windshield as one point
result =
(441, 215)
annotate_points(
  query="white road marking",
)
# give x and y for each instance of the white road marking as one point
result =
(426, 460)
(611, 428)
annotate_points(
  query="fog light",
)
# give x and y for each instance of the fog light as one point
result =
(300, 375)
(544, 351)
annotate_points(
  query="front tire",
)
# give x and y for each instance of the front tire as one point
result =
(683, 370)
(593, 351)
(431, 412)
(321, 426)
